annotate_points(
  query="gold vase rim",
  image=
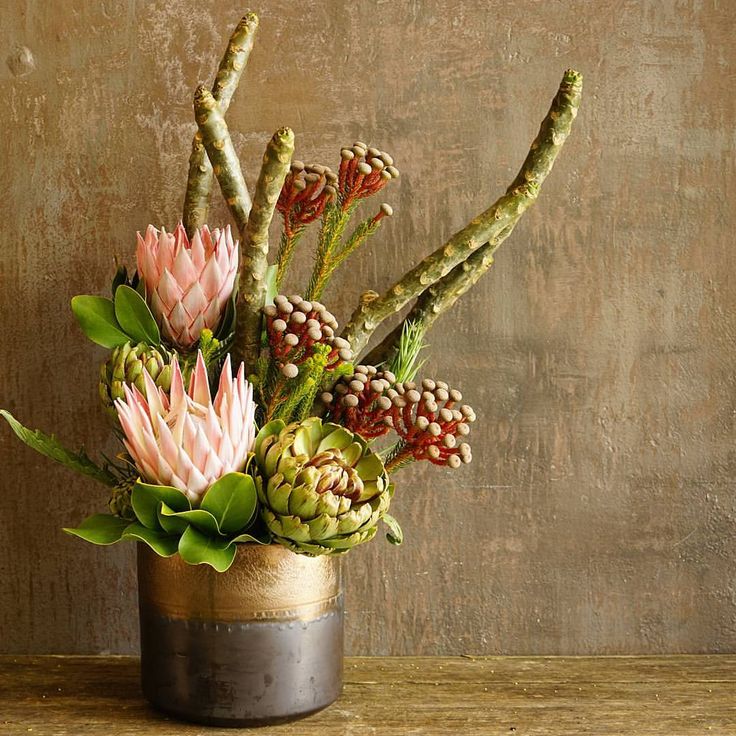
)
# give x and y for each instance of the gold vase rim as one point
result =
(264, 583)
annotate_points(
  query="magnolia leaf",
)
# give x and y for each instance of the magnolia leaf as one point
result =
(227, 323)
(169, 521)
(196, 548)
(202, 520)
(49, 446)
(100, 529)
(147, 497)
(271, 286)
(163, 544)
(258, 535)
(134, 316)
(96, 317)
(120, 278)
(272, 290)
(232, 500)
(395, 535)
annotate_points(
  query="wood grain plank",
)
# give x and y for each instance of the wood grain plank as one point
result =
(513, 696)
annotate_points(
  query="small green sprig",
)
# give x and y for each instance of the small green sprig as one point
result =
(405, 363)
(300, 392)
(315, 192)
(333, 249)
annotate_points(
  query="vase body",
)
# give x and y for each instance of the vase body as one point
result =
(261, 643)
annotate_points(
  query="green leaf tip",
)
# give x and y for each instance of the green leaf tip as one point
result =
(134, 316)
(395, 534)
(102, 529)
(232, 500)
(96, 317)
(196, 548)
(146, 499)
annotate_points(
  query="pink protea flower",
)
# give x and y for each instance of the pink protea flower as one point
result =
(187, 284)
(185, 439)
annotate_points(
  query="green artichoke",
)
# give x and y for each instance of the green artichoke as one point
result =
(322, 490)
(120, 503)
(125, 365)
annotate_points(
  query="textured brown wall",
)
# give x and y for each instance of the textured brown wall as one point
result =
(598, 514)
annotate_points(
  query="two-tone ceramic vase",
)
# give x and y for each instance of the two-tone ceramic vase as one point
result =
(261, 643)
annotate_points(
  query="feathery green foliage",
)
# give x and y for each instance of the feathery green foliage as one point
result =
(49, 446)
(405, 363)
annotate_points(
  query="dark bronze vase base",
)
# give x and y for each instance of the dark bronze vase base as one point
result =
(229, 674)
(220, 651)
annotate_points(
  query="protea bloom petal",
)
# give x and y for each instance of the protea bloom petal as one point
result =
(187, 439)
(188, 284)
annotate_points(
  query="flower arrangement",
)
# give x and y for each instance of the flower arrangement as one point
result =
(247, 416)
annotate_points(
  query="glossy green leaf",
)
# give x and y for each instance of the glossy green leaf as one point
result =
(271, 287)
(196, 548)
(259, 535)
(160, 542)
(169, 521)
(49, 446)
(232, 500)
(134, 316)
(120, 277)
(227, 323)
(100, 529)
(198, 518)
(395, 534)
(96, 317)
(147, 497)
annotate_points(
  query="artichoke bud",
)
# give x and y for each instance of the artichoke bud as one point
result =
(120, 503)
(125, 366)
(322, 489)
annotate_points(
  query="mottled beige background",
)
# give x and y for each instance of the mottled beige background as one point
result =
(598, 515)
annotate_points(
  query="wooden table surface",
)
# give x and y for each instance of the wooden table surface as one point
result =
(426, 696)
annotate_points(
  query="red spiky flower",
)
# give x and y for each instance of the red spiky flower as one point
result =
(295, 326)
(426, 417)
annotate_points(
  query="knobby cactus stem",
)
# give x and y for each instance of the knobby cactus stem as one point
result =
(254, 246)
(485, 233)
(433, 301)
(222, 156)
(199, 181)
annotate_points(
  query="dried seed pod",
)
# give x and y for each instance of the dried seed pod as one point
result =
(425, 421)
(289, 370)
(307, 325)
